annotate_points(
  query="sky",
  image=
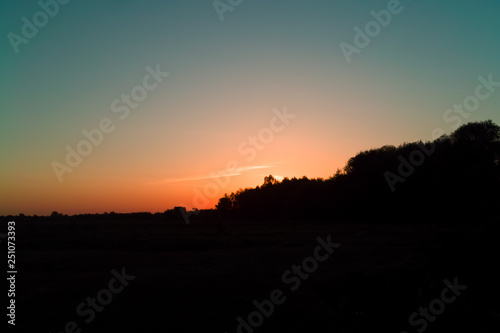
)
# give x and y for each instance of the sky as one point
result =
(131, 106)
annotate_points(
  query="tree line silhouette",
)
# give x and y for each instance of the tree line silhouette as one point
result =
(456, 176)
(453, 178)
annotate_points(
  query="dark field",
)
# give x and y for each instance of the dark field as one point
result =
(201, 277)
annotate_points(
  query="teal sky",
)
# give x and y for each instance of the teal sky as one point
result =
(225, 79)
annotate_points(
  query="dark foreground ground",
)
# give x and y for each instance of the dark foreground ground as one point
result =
(201, 277)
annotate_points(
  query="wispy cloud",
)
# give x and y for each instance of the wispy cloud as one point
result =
(217, 174)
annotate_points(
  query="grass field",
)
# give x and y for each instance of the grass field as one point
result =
(201, 277)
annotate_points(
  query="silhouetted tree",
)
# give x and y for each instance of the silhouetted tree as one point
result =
(455, 169)
(225, 203)
(270, 180)
(477, 133)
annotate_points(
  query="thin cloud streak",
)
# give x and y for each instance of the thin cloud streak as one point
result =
(218, 174)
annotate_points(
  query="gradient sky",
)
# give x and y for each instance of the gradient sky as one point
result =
(225, 79)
